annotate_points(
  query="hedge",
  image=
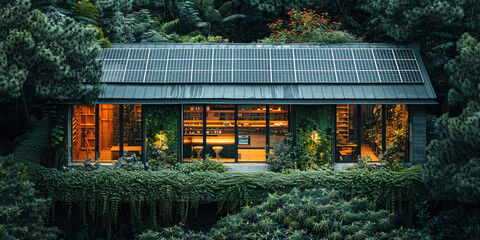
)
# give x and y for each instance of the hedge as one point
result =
(99, 193)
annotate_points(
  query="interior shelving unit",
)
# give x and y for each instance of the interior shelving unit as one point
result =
(343, 119)
(83, 133)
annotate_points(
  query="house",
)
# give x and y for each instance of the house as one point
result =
(233, 101)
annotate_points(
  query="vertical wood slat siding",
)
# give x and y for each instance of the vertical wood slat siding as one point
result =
(418, 134)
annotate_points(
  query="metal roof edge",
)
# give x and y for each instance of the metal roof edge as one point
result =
(262, 45)
(258, 101)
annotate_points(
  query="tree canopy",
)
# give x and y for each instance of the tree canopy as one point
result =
(452, 171)
(42, 60)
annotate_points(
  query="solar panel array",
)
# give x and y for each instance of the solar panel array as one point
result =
(263, 65)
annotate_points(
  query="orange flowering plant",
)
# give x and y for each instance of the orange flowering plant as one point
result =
(307, 26)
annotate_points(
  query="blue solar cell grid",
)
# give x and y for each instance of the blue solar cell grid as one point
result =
(260, 65)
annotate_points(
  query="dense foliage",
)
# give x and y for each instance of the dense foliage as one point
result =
(205, 165)
(161, 123)
(300, 214)
(21, 212)
(460, 223)
(314, 136)
(282, 155)
(41, 60)
(452, 171)
(99, 193)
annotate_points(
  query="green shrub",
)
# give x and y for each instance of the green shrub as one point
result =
(301, 214)
(201, 166)
(129, 162)
(283, 156)
(35, 144)
(172, 193)
(460, 223)
(21, 212)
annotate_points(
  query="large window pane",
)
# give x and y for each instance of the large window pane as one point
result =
(132, 129)
(279, 115)
(252, 130)
(371, 132)
(397, 131)
(193, 132)
(314, 134)
(346, 131)
(161, 122)
(109, 132)
(83, 132)
(221, 132)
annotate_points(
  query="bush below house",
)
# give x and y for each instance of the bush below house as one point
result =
(166, 196)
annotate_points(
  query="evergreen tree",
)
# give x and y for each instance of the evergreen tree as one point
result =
(45, 61)
(452, 171)
(21, 213)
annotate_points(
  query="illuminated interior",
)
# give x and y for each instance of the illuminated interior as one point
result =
(83, 133)
(368, 130)
(346, 119)
(111, 119)
(220, 128)
(397, 130)
(193, 132)
(279, 116)
(371, 119)
(252, 133)
(221, 132)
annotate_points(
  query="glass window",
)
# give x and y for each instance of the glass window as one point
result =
(132, 129)
(83, 133)
(371, 132)
(314, 134)
(161, 123)
(346, 131)
(109, 132)
(397, 138)
(221, 132)
(252, 138)
(279, 115)
(193, 132)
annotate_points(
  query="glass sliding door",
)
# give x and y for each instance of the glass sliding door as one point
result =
(233, 133)
(220, 132)
(252, 129)
(83, 133)
(192, 132)
(397, 129)
(371, 123)
(279, 115)
(132, 129)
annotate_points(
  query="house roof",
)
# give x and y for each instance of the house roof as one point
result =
(262, 73)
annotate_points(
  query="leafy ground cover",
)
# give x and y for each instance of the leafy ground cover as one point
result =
(170, 194)
(300, 214)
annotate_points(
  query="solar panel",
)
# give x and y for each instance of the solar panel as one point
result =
(260, 65)
(285, 65)
(345, 65)
(368, 65)
(221, 77)
(221, 53)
